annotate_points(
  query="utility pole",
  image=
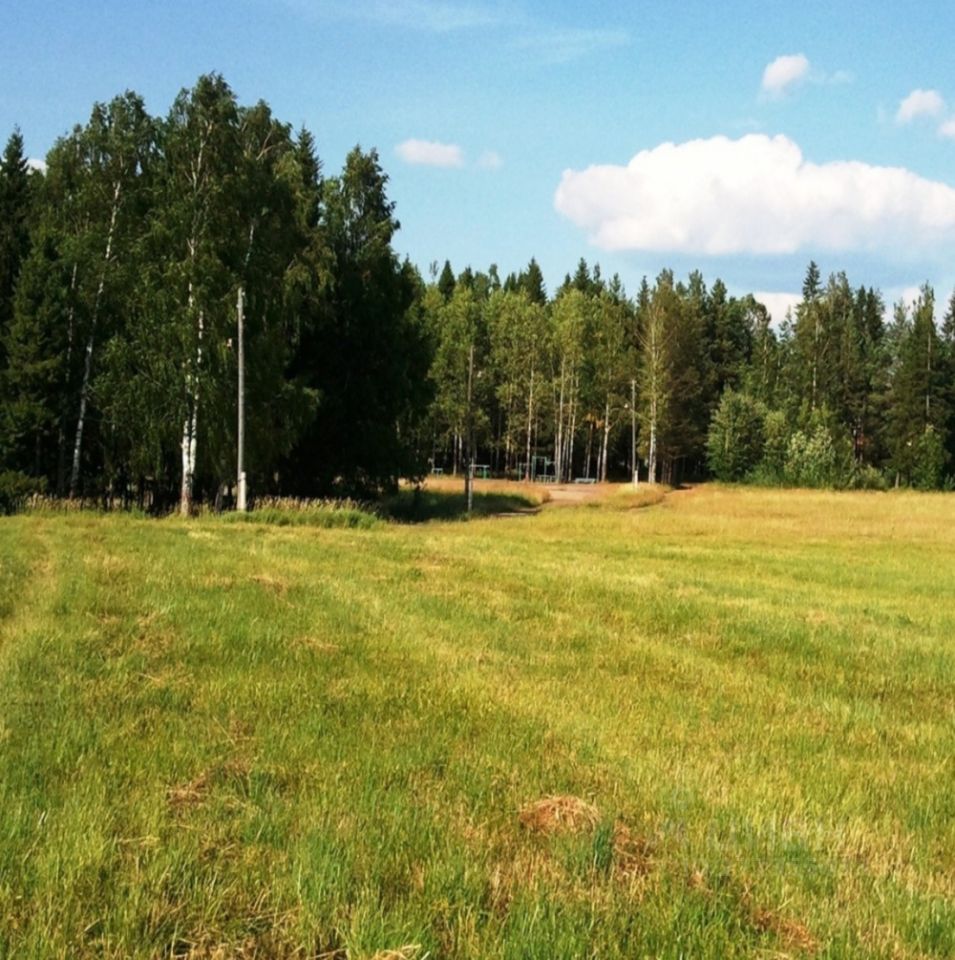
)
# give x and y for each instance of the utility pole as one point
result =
(469, 466)
(241, 501)
(633, 431)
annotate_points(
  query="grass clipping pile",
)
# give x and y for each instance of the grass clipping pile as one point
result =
(559, 814)
(631, 854)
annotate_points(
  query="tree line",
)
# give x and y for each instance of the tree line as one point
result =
(121, 266)
(685, 381)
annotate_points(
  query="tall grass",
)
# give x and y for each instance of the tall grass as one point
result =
(723, 726)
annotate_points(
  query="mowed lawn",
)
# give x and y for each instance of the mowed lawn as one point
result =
(721, 726)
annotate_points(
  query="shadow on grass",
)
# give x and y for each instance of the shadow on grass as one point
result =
(421, 506)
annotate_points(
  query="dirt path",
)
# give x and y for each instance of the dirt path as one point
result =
(568, 494)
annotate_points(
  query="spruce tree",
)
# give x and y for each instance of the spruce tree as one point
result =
(15, 208)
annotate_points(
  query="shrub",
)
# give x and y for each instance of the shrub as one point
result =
(928, 464)
(15, 489)
(811, 459)
(866, 477)
(734, 444)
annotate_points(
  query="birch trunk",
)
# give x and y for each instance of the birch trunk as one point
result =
(88, 359)
(652, 457)
(190, 429)
(559, 441)
(606, 442)
(572, 433)
(64, 410)
(530, 425)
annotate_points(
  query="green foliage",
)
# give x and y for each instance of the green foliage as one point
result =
(119, 275)
(866, 477)
(929, 461)
(325, 514)
(918, 394)
(15, 489)
(16, 202)
(775, 444)
(811, 459)
(736, 437)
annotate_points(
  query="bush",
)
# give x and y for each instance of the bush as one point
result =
(928, 466)
(811, 459)
(289, 512)
(866, 477)
(775, 446)
(15, 489)
(734, 444)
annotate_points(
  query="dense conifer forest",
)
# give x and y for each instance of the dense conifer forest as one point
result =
(123, 262)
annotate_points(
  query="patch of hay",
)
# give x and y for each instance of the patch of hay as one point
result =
(558, 814)
(632, 853)
(319, 646)
(409, 952)
(795, 935)
(791, 933)
(194, 792)
(275, 584)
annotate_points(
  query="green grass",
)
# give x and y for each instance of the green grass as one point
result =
(227, 739)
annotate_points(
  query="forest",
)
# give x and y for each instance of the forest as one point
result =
(122, 264)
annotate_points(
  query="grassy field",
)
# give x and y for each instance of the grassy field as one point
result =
(719, 726)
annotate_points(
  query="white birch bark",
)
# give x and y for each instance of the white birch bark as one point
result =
(606, 442)
(88, 358)
(530, 425)
(190, 428)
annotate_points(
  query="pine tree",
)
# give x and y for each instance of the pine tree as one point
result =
(446, 282)
(15, 210)
(917, 396)
(531, 281)
(369, 353)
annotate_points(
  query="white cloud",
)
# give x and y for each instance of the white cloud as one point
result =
(755, 195)
(490, 160)
(947, 129)
(777, 303)
(920, 103)
(543, 40)
(39, 165)
(430, 153)
(784, 73)
(432, 16)
(564, 44)
(840, 77)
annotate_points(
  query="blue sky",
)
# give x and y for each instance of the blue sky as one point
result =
(798, 131)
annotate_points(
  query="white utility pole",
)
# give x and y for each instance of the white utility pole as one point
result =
(469, 466)
(241, 500)
(633, 432)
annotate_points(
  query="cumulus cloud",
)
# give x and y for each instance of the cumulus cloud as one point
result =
(490, 160)
(38, 165)
(920, 103)
(430, 153)
(947, 129)
(777, 303)
(784, 73)
(755, 195)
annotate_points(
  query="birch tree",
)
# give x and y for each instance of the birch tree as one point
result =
(653, 379)
(116, 147)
